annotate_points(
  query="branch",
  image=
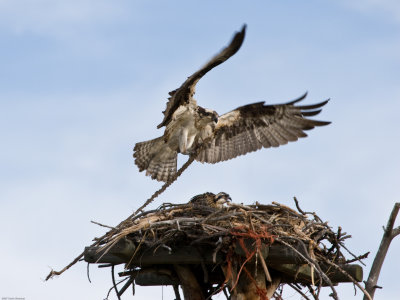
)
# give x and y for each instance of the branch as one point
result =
(392, 219)
(298, 291)
(348, 276)
(56, 273)
(388, 236)
(167, 184)
(313, 263)
(114, 284)
(395, 232)
(102, 225)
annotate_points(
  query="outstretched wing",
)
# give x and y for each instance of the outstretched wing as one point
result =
(251, 127)
(184, 94)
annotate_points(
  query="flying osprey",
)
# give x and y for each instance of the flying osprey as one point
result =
(194, 130)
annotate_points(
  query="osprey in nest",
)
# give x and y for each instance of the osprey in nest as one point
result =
(210, 137)
(211, 200)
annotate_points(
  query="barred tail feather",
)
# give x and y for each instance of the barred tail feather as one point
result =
(144, 152)
(156, 158)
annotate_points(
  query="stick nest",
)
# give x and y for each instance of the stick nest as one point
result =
(227, 228)
(174, 225)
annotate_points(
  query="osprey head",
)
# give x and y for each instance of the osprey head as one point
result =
(221, 198)
(207, 114)
(214, 117)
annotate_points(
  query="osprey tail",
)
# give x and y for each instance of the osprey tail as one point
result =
(156, 158)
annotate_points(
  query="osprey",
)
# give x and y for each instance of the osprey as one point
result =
(211, 200)
(194, 130)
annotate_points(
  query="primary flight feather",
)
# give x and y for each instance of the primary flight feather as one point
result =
(193, 130)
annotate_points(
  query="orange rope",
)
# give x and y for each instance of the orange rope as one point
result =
(242, 233)
(241, 268)
(261, 292)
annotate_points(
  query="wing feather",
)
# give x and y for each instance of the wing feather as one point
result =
(184, 94)
(254, 126)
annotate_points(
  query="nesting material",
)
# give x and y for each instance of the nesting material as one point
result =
(230, 242)
(187, 224)
(228, 248)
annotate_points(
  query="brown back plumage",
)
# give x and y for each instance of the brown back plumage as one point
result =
(254, 126)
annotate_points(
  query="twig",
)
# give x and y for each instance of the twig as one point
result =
(114, 284)
(358, 258)
(167, 248)
(104, 266)
(298, 206)
(228, 297)
(288, 210)
(102, 225)
(56, 273)
(191, 159)
(387, 238)
(304, 213)
(212, 215)
(111, 288)
(366, 294)
(220, 218)
(109, 292)
(219, 244)
(126, 285)
(354, 256)
(98, 242)
(214, 290)
(245, 207)
(137, 248)
(207, 237)
(312, 292)
(261, 219)
(167, 184)
(299, 291)
(176, 290)
(395, 232)
(311, 263)
(87, 273)
(264, 265)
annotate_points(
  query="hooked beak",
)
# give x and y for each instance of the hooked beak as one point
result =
(225, 199)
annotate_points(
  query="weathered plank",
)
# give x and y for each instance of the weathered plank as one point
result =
(183, 255)
(289, 273)
(302, 273)
(155, 277)
(278, 257)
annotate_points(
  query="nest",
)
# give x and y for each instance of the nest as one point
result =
(297, 246)
(174, 225)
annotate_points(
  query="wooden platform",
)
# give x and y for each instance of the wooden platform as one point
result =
(155, 267)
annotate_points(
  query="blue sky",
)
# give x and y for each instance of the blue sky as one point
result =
(82, 81)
